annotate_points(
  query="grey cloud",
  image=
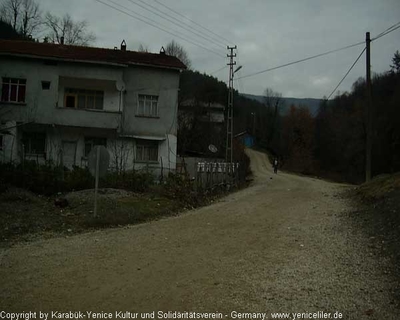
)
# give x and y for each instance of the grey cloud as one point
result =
(267, 33)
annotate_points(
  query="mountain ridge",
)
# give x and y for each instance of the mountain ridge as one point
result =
(312, 104)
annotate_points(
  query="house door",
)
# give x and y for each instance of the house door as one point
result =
(69, 153)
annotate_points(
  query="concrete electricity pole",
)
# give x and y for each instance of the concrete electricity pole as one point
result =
(368, 148)
(229, 113)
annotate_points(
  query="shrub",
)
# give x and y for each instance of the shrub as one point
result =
(48, 180)
(77, 179)
(130, 180)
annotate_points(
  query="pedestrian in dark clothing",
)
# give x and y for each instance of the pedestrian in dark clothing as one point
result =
(275, 165)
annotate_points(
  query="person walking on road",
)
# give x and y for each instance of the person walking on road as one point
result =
(275, 164)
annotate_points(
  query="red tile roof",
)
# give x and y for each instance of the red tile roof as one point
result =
(90, 54)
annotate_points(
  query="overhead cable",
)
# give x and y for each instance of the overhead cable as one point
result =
(176, 22)
(302, 60)
(348, 71)
(194, 22)
(156, 25)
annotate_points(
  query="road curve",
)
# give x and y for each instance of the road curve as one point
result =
(281, 245)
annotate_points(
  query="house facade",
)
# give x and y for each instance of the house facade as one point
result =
(58, 101)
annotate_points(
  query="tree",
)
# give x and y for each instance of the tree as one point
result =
(396, 62)
(143, 48)
(24, 16)
(175, 49)
(273, 100)
(298, 145)
(73, 32)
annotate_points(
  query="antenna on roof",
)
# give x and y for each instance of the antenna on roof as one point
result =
(123, 45)
(162, 50)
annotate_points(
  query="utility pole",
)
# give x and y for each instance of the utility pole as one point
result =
(368, 148)
(229, 113)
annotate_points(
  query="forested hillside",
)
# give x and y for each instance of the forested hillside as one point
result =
(194, 135)
(333, 143)
(311, 103)
(330, 143)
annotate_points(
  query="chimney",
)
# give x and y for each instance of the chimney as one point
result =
(123, 45)
(62, 40)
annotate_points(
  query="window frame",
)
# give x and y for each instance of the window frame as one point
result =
(28, 136)
(152, 99)
(20, 83)
(94, 94)
(149, 144)
(46, 85)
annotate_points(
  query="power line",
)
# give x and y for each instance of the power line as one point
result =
(340, 82)
(220, 69)
(302, 60)
(155, 25)
(387, 31)
(179, 24)
(194, 22)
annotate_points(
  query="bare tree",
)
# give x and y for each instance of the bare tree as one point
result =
(23, 15)
(73, 32)
(143, 48)
(175, 49)
(121, 150)
(272, 100)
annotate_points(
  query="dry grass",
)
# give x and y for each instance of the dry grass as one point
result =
(25, 216)
(379, 187)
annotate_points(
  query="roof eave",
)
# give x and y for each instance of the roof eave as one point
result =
(115, 64)
(21, 55)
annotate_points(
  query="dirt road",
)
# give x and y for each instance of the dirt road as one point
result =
(281, 245)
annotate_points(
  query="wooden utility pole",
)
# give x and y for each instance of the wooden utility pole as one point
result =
(229, 113)
(368, 156)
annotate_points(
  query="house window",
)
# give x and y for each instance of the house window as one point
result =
(1, 142)
(147, 105)
(46, 85)
(83, 99)
(91, 142)
(147, 151)
(13, 90)
(34, 143)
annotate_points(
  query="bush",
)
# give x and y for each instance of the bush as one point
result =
(182, 189)
(77, 179)
(48, 180)
(38, 178)
(130, 180)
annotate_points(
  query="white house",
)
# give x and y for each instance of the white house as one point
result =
(58, 101)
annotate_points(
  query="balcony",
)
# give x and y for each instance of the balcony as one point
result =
(86, 118)
(91, 103)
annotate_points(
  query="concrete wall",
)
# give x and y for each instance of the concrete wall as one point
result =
(66, 128)
(151, 81)
(45, 106)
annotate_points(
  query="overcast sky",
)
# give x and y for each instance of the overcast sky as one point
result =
(267, 33)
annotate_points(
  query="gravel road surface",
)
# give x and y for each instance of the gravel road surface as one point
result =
(281, 245)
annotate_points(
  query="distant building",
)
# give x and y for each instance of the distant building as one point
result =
(245, 138)
(204, 111)
(58, 101)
